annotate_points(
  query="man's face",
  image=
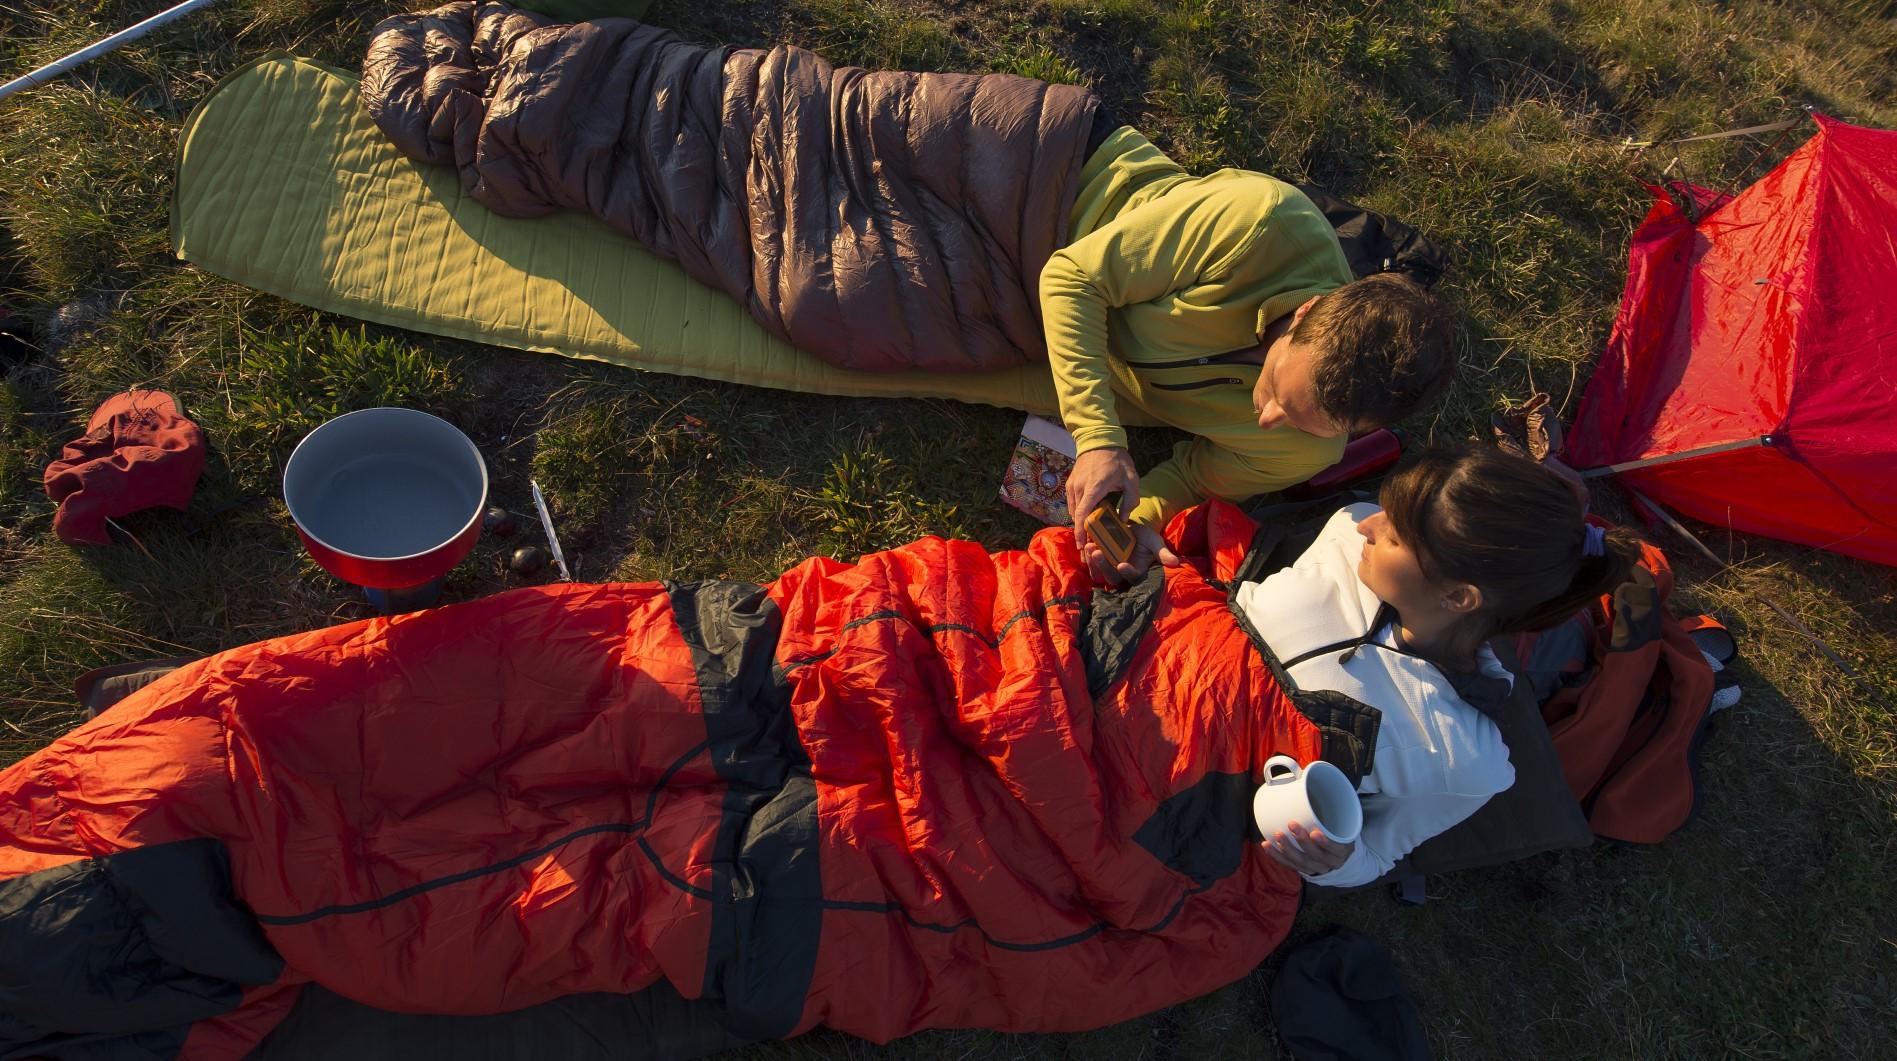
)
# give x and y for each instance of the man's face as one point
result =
(1287, 395)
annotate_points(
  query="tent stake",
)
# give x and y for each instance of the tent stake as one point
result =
(1784, 613)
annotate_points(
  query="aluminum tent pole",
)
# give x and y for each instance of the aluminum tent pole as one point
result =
(1685, 454)
(131, 33)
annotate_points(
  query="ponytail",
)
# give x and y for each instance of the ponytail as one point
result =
(1594, 577)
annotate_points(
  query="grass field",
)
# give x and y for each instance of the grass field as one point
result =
(1764, 929)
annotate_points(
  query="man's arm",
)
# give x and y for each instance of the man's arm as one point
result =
(1177, 241)
(1200, 468)
(1180, 240)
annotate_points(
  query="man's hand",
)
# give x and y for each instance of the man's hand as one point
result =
(1097, 473)
(1151, 547)
(1309, 852)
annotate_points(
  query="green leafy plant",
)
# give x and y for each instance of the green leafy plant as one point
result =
(871, 502)
(865, 33)
(287, 382)
(584, 458)
(1043, 64)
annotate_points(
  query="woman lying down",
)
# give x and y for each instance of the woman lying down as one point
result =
(934, 788)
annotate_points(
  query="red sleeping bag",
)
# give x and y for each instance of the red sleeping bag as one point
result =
(935, 788)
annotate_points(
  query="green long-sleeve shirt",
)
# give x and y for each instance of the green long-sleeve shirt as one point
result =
(1165, 273)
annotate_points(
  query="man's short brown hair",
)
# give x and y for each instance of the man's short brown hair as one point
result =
(1384, 349)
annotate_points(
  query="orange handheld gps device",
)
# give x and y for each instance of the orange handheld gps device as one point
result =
(1109, 530)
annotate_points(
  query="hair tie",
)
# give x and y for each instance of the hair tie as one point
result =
(1595, 541)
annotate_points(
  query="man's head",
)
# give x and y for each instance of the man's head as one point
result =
(1364, 356)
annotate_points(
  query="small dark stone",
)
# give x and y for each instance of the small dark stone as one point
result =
(528, 559)
(500, 523)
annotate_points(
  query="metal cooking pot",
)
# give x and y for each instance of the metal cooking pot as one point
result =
(386, 498)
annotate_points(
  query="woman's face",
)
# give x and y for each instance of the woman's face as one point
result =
(1392, 572)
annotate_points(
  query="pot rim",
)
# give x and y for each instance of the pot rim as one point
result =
(480, 505)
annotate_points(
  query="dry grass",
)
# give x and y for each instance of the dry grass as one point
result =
(1762, 930)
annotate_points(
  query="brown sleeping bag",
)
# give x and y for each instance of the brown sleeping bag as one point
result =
(879, 220)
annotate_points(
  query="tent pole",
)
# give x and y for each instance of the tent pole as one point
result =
(1687, 454)
(1784, 613)
(1771, 127)
(59, 66)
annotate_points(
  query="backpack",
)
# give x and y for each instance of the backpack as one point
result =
(1378, 243)
(1628, 691)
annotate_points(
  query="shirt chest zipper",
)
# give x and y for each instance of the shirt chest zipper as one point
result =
(1190, 362)
(1196, 362)
(1199, 384)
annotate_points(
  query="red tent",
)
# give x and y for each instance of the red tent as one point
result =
(1756, 352)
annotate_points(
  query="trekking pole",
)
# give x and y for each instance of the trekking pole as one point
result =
(131, 33)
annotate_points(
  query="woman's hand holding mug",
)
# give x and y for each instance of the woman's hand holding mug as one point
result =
(1308, 852)
(1309, 815)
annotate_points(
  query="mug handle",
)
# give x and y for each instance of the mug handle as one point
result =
(1285, 762)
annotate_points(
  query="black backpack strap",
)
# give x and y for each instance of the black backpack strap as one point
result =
(1348, 727)
(1378, 243)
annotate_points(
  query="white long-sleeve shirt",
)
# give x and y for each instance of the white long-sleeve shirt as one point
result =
(1437, 758)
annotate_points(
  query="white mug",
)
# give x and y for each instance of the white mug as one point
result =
(1317, 796)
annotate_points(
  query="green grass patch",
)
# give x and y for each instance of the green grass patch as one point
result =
(24, 453)
(867, 499)
(1091, 14)
(1042, 63)
(880, 36)
(85, 216)
(284, 383)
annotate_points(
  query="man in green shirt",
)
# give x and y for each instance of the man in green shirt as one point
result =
(1222, 305)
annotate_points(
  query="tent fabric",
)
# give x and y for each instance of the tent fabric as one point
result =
(933, 788)
(1767, 315)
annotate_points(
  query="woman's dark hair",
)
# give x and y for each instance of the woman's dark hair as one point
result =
(1509, 527)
